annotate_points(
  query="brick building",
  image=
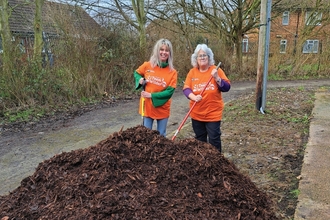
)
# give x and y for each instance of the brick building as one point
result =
(297, 27)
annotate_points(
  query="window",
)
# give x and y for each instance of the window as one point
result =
(313, 18)
(21, 46)
(245, 45)
(311, 46)
(283, 46)
(285, 18)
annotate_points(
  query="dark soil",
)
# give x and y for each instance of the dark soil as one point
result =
(137, 174)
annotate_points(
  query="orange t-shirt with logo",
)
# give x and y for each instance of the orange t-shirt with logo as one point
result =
(211, 106)
(158, 80)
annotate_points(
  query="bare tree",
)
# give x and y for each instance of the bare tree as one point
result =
(133, 12)
(225, 20)
(175, 16)
(229, 20)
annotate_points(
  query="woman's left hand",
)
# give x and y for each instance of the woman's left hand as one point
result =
(145, 94)
(215, 75)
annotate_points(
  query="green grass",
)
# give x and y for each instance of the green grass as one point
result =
(295, 193)
(24, 115)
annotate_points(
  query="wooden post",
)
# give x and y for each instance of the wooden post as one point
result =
(261, 52)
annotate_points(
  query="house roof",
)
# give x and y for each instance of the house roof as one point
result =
(294, 4)
(57, 18)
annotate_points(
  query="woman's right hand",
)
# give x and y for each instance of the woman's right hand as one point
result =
(196, 98)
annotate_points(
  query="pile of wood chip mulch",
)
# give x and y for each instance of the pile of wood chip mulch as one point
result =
(138, 174)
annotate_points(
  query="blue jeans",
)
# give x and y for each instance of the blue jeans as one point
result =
(208, 132)
(161, 124)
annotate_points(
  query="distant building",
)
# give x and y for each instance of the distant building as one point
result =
(296, 27)
(57, 20)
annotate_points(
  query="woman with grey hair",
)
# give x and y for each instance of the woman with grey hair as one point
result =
(157, 78)
(207, 113)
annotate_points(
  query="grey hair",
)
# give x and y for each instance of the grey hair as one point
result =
(207, 50)
(154, 58)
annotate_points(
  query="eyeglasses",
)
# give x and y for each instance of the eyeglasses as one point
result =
(202, 56)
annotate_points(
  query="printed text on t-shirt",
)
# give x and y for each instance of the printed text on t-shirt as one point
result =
(156, 80)
(199, 87)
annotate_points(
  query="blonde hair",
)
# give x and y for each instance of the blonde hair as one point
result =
(154, 58)
(207, 50)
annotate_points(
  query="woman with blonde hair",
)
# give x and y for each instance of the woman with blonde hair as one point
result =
(157, 77)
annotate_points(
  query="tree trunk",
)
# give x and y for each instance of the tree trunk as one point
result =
(38, 42)
(138, 7)
(239, 55)
(7, 58)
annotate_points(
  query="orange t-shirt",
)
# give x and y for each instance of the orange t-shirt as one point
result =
(212, 104)
(158, 79)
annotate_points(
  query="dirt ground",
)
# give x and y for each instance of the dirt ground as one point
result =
(136, 174)
(269, 148)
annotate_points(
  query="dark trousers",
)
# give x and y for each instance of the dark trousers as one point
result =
(208, 132)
